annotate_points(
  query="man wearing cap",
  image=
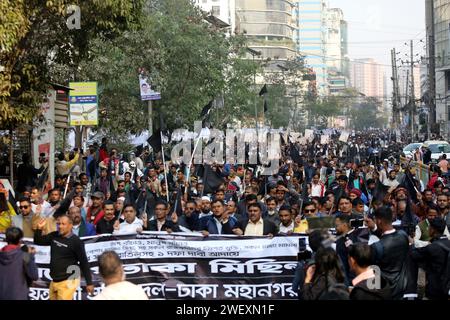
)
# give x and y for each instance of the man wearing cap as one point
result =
(95, 211)
(205, 207)
(391, 181)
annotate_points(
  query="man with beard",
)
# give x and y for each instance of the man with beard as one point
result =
(286, 225)
(188, 221)
(80, 227)
(58, 206)
(391, 181)
(256, 225)
(205, 207)
(272, 212)
(425, 199)
(106, 224)
(442, 202)
(95, 211)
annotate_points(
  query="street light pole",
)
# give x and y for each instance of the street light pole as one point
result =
(150, 117)
(254, 53)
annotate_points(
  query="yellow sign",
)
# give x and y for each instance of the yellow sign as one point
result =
(83, 102)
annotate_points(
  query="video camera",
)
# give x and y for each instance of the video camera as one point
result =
(357, 223)
(409, 229)
(303, 253)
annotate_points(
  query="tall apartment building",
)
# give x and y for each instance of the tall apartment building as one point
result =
(336, 50)
(268, 25)
(441, 16)
(368, 78)
(310, 39)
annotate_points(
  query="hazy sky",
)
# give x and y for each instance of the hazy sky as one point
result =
(376, 26)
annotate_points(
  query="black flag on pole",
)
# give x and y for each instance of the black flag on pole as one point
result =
(263, 90)
(206, 109)
(211, 179)
(155, 141)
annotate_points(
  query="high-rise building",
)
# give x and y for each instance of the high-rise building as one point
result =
(336, 50)
(222, 9)
(268, 26)
(368, 78)
(441, 17)
(310, 39)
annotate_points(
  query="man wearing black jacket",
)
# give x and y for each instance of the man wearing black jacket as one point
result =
(256, 225)
(161, 222)
(66, 252)
(433, 259)
(367, 285)
(391, 252)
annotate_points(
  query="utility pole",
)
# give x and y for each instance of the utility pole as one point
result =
(150, 118)
(395, 99)
(413, 97)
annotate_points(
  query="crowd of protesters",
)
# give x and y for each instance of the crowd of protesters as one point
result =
(388, 226)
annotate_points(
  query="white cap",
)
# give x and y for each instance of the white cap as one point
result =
(206, 198)
(121, 199)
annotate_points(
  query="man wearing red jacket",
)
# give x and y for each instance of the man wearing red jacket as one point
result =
(95, 212)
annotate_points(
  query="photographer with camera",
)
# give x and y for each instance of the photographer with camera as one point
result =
(306, 258)
(345, 230)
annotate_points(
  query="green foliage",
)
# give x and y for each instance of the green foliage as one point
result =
(189, 61)
(34, 37)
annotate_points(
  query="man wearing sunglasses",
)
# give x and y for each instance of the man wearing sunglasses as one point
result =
(24, 219)
(301, 224)
(189, 219)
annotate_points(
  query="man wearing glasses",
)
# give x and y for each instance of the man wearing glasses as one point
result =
(189, 219)
(301, 224)
(24, 219)
(161, 221)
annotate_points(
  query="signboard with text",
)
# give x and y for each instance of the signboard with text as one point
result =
(83, 103)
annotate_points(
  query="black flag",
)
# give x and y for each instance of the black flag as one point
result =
(263, 90)
(155, 141)
(211, 179)
(206, 109)
(295, 154)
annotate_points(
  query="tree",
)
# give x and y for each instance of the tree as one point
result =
(365, 114)
(34, 36)
(189, 61)
(286, 94)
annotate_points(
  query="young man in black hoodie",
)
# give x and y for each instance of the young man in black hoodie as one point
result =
(67, 253)
(17, 267)
(368, 284)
